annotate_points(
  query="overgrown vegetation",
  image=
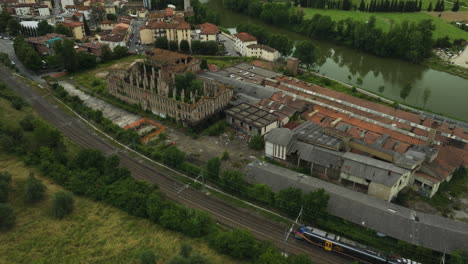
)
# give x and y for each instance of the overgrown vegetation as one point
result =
(89, 173)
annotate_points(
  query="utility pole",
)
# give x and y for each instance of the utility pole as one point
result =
(196, 179)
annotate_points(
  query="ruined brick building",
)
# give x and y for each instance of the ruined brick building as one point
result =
(151, 84)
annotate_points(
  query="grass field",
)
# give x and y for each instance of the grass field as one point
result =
(93, 233)
(384, 20)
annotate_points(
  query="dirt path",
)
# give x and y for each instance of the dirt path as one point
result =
(462, 60)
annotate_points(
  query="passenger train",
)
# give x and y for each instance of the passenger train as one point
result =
(346, 247)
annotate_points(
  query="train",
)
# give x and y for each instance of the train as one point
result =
(345, 247)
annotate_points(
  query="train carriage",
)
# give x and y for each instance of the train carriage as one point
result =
(340, 245)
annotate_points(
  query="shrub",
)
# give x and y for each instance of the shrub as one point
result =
(198, 259)
(147, 257)
(173, 156)
(5, 181)
(27, 123)
(62, 204)
(178, 260)
(7, 217)
(236, 243)
(257, 142)
(185, 250)
(213, 167)
(216, 129)
(225, 156)
(33, 190)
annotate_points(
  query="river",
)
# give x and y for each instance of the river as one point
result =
(436, 91)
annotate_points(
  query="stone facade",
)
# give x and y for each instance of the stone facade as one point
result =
(151, 84)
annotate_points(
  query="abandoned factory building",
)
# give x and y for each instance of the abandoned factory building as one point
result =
(165, 84)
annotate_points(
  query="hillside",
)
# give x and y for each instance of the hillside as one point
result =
(93, 233)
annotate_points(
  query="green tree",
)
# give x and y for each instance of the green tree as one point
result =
(147, 257)
(120, 52)
(155, 206)
(173, 156)
(213, 167)
(289, 200)
(61, 29)
(27, 123)
(257, 143)
(184, 46)
(34, 190)
(5, 185)
(196, 47)
(236, 243)
(7, 217)
(172, 45)
(209, 48)
(315, 204)
(299, 259)
(106, 53)
(305, 51)
(457, 257)
(13, 27)
(112, 17)
(204, 65)
(43, 28)
(62, 204)
(233, 180)
(261, 193)
(456, 6)
(161, 43)
(4, 18)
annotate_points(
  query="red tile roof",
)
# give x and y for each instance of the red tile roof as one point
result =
(209, 29)
(244, 37)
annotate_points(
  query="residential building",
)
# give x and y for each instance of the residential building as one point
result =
(107, 24)
(173, 29)
(77, 29)
(242, 40)
(251, 119)
(112, 40)
(110, 9)
(208, 32)
(92, 47)
(65, 3)
(263, 52)
(43, 44)
(150, 83)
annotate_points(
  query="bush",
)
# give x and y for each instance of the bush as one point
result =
(147, 257)
(7, 217)
(212, 168)
(257, 142)
(178, 260)
(62, 204)
(33, 190)
(225, 156)
(27, 123)
(5, 182)
(197, 259)
(216, 129)
(173, 156)
(236, 243)
(185, 250)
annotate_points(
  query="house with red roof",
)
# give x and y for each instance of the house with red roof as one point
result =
(208, 32)
(243, 40)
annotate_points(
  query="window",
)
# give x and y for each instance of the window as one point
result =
(250, 128)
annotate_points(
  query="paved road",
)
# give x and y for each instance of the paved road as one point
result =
(132, 44)
(223, 212)
(228, 44)
(6, 46)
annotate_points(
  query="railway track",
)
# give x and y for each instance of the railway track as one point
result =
(221, 211)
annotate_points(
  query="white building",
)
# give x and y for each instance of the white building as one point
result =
(208, 32)
(65, 3)
(43, 11)
(242, 41)
(263, 52)
(23, 10)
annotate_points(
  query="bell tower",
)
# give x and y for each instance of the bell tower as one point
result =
(187, 6)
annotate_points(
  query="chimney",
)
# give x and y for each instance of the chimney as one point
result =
(293, 65)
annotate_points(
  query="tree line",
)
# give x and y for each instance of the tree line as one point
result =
(375, 5)
(411, 41)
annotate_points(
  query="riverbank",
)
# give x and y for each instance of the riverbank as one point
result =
(446, 66)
